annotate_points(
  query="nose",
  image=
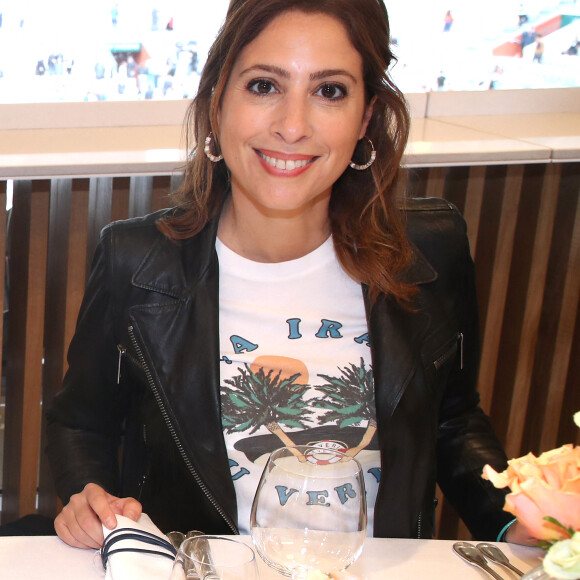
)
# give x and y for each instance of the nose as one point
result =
(292, 122)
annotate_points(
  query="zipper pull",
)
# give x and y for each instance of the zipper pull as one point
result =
(460, 338)
(122, 350)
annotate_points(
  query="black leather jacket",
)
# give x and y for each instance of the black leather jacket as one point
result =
(144, 372)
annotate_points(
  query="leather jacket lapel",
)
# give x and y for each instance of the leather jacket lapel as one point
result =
(179, 340)
(394, 345)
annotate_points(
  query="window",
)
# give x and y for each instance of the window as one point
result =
(112, 50)
(460, 45)
(65, 50)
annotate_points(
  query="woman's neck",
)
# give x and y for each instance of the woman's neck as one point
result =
(272, 238)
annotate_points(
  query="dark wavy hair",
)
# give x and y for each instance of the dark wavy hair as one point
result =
(365, 210)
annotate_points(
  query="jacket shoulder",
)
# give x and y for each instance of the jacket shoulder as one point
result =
(422, 211)
(125, 245)
(134, 236)
(146, 224)
(427, 204)
(434, 223)
(438, 232)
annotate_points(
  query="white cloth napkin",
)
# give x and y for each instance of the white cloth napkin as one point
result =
(137, 565)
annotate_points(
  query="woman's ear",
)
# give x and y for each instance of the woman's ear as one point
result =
(367, 117)
(218, 121)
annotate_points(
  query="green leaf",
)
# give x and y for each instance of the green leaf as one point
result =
(350, 421)
(289, 411)
(334, 395)
(568, 530)
(326, 405)
(349, 410)
(238, 401)
(244, 425)
(295, 397)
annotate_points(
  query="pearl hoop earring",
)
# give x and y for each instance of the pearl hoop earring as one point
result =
(369, 162)
(207, 150)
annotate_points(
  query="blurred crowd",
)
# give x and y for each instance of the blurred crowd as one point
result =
(142, 51)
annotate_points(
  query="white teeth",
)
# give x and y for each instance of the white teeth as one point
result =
(287, 165)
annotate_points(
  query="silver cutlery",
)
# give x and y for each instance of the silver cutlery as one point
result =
(202, 551)
(496, 555)
(177, 538)
(473, 556)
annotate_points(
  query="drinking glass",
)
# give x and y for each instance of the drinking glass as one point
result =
(214, 558)
(309, 512)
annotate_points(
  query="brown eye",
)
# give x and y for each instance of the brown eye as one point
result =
(332, 91)
(261, 87)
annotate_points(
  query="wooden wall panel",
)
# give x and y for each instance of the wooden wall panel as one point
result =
(531, 296)
(435, 182)
(25, 348)
(65, 283)
(100, 205)
(499, 283)
(162, 186)
(120, 200)
(523, 224)
(567, 430)
(140, 195)
(473, 203)
(3, 268)
(563, 343)
(552, 335)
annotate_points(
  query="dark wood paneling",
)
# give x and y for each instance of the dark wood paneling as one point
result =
(523, 224)
(25, 348)
(524, 230)
(492, 326)
(3, 268)
(65, 283)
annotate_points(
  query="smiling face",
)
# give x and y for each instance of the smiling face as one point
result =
(291, 115)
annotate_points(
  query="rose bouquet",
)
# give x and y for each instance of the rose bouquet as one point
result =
(545, 497)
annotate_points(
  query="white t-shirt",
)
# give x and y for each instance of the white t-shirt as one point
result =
(290, 333)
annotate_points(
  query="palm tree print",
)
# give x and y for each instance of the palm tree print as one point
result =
(349, 399)
(254, 399)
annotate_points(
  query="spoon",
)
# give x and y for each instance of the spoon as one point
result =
(177, 538)
(202, 552)
(472, 555)
(497, 556)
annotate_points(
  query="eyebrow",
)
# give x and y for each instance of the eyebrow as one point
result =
(322, 74)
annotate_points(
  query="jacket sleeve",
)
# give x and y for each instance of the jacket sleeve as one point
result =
(466, 440)
(84, 419)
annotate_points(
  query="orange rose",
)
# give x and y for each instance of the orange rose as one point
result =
(548, 485)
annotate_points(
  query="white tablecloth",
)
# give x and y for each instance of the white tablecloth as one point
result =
(47, 558)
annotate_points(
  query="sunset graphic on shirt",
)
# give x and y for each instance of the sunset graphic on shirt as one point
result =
(272, 392)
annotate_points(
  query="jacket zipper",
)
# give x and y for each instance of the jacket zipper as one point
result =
(174, 436)
(449, 353)
(122, 351)
(146, 471)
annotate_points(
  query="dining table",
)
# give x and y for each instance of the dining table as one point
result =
(48, 558)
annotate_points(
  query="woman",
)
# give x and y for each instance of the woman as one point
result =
(281, 302)
(448, 21)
